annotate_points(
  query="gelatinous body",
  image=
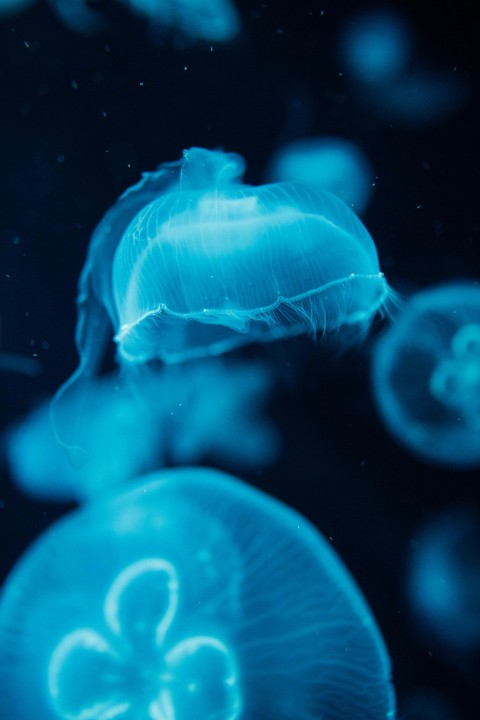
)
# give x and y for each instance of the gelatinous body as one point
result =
(210, 409)
(444, 581)
(191, 262)
(376, 46)
(191, 597)
(332, 164)
(426, 375)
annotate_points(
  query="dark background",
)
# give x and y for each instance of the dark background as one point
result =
(83, 116)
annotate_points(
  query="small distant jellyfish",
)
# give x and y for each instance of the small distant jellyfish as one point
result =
(191, 597)
(443, 584)
(376, 46)
(210, 264)
(426, 375)
(210, 409)
(333, 164)
(15, 363)
(426, 704)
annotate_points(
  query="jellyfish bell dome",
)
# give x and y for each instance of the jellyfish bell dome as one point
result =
(194, 597)
(192, 262)
(426, 375)
(213, 264)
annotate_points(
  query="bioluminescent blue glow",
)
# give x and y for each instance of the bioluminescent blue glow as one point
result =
(10, 7)
(191, 597)
(443, 582)
(376, 46)
(426, 375)
(211, 264)
(209, 409)
(333, 164)
(213, 20)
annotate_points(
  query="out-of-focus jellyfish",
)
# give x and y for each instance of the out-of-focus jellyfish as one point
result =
(213, 20)
(10, 7)
(211, 264)
(191, 597)
(333, 164)
(208, 409)
(444, 581)
(376, 46)
(426, 375)
(421, 97)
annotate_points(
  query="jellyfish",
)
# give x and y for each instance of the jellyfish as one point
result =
(330, 163)
(181, 417)
(426, 375)
(376, 46)
(211, 264)
(212, 20)
(194, 597)
(426, 704)
(443, 583)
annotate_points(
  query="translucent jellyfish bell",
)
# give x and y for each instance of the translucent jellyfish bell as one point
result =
(191, 597)
(191, 262)
(443, 586)
(213, 264)
(426, 375)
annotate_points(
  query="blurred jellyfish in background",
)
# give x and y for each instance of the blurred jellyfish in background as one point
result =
(375, 46)
(191, 596)
(212, 264)
(332, 164)
(443, 587)
(208, 410)
(212, 20)
(426, 375)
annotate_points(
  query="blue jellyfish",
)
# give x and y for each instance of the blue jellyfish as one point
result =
(376, 46)
(443, 584)
(212, 20)
(209, 264)
(426, 375)
(333, 164)
(182, 416)
(191, 597)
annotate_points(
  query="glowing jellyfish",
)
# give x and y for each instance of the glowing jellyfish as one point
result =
(192, 597)
(376, 46)
(208, 409)
(212, 20)
(332, 164)
(426, 375)
(444, 581)
(211, 264)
